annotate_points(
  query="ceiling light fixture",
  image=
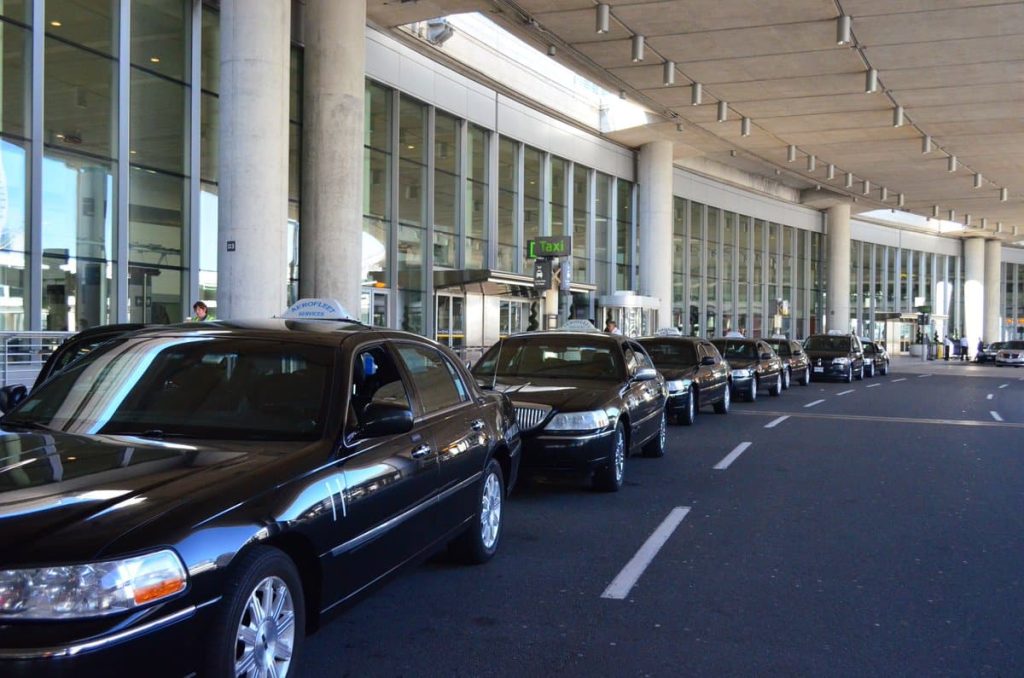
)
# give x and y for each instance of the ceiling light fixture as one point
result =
(696, 94)
(811, 163)
(984, 223)
(830, 172)
(638, 48)
(952, 215)
(926, 144)
(967, 219)
(668, 73)
(604, 14)
(56, 24)
(745, 126)
(897, 116)
(679, 127)
(552, 50)
(155, 60)
(883, 193)
(849, 180)
(867, 187)
(871, 81)
(1004, 194)
(622, 94)
(791, 153)
(935, 211)
(951, 164)
(844, 33)
(899, 200)
(723, 111)
(978, 179)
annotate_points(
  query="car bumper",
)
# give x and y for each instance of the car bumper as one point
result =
(742, 384)
(154, 647)
(568, 454)
(1010, 361)
(830, 371)
(677, 403)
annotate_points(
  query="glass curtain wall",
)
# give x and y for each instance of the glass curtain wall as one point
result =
(602, 233)
(15, 135)
(625, 242)
(508, 205)
(476, 197)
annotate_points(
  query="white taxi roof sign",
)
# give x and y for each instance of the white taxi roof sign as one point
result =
(668, 332)
(318, 309)
(578, 325)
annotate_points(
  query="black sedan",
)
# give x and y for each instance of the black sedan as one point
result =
(835, 356)
(754, 364)
(988, 353)
(795, 362)
(876, 358)
(194, 499)
(694, 372)
(584, 401)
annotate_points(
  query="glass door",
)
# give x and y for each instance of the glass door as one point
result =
(373, 307)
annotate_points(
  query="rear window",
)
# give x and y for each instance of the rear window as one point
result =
(781, 347)
(669, 353)
(824, 342)
(736, 349)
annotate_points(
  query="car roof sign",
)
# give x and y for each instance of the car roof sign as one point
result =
(318, 309)
(579, 325)
(668, 332)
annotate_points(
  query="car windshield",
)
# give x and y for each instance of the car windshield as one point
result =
(186, 386)
(781, 346)
(670, 353)
(1013, 345)
(736, 349)
(823, 342)
(869, 348)
(553, 358)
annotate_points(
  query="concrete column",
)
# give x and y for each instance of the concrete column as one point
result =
(974, 291)
(332, 149)
(839, 267)
(655, 225)
(252, 213)
(993, 285)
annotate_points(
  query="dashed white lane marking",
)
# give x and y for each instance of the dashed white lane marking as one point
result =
(775, 422)
(989, 397)
(900, 379)
(626, 579)
(846, 391)
(995, 415)
(813, 403)
(922, 376)
(1003, 385)
(873, 385)
(731, 457)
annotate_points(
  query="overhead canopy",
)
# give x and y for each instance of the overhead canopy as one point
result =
(496, 283)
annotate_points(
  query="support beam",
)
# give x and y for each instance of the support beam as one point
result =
(332, 150)
(839, 267)
(252, 263)
(974, 291)
(993, 278)
(655, 225)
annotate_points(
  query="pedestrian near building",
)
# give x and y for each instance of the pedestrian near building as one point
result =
(200, 312)
(964, 345)
(947, 346)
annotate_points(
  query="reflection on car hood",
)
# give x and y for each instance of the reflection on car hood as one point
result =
(566, 395)
(742, 363)
(814, 355)
(64, 494)
(672, 373)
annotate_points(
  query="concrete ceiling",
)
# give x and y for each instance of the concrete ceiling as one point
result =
(956, 66)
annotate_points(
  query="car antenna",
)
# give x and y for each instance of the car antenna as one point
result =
(497, 361)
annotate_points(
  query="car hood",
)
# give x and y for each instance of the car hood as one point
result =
(742, 363)
(673, 373)
(826, 355)
(65, 496)
(561, 395)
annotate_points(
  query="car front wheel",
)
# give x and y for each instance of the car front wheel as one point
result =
(722, 406)
(262, 622)
(786, 378)
(849, 375)
(689, 415)
(806, 379)
(752, 393)
(479, 542)
(776, 390)
(609, 478)
(655, 447)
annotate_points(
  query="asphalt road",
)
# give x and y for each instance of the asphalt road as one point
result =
(878, 532)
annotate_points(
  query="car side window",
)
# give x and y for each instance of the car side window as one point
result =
(631, 362)
(375, 379)
(437, 382)
(640, 356)
(709, 349)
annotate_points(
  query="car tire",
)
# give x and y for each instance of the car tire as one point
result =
(885, 368)
(609, 478)
(479, 542)
(655, 447)
(806, 379)
(260, 573)
(849, 375)
(722, 406)
(860, 373)
(776, 390)
(869, 371)
(787, 378)
(689, 415)
(752, 393)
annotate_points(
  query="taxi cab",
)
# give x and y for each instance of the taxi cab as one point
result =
(233, 481)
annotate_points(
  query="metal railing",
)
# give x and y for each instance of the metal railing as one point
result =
(22, 354)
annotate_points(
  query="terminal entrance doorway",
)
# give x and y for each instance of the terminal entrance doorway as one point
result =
(636, 316)
(373, 306)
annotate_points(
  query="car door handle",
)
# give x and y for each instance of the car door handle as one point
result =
(477, 424)
(421, 451)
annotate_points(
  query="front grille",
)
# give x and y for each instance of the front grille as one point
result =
(530, 417)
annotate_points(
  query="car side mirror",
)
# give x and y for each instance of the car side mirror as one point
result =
(385, 419)
(707, 360)
(645, 374)
(766, 356)
(11, 396)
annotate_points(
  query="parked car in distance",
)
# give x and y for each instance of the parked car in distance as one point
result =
(584, 401)
(989, 352)
(695, 374)
(233, 482)
(876, 358)
(754, 365)
(794, 361)
(1011, 353)
(835, 356)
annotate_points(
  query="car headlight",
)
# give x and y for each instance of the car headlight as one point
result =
(678, 385)
(92, 589)
(578, 421)
(840, 361)
(741, 374)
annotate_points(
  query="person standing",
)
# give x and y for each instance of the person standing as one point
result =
(964, 344)
(200, 313)
(611, 327)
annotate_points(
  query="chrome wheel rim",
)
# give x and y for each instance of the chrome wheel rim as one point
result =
(490, 511)
(726, 398)
(620, 456)
(663, 433)
(785, 380)
(265, 638)
(778, 384)
(693, 406)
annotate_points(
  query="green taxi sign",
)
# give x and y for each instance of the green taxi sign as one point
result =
(546, 247)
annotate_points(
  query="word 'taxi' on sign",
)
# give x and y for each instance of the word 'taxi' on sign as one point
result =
(549, 246)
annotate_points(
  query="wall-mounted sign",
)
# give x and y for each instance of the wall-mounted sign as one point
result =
(542, 274)
(549, 246)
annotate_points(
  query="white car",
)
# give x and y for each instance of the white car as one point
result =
(1011, 353)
